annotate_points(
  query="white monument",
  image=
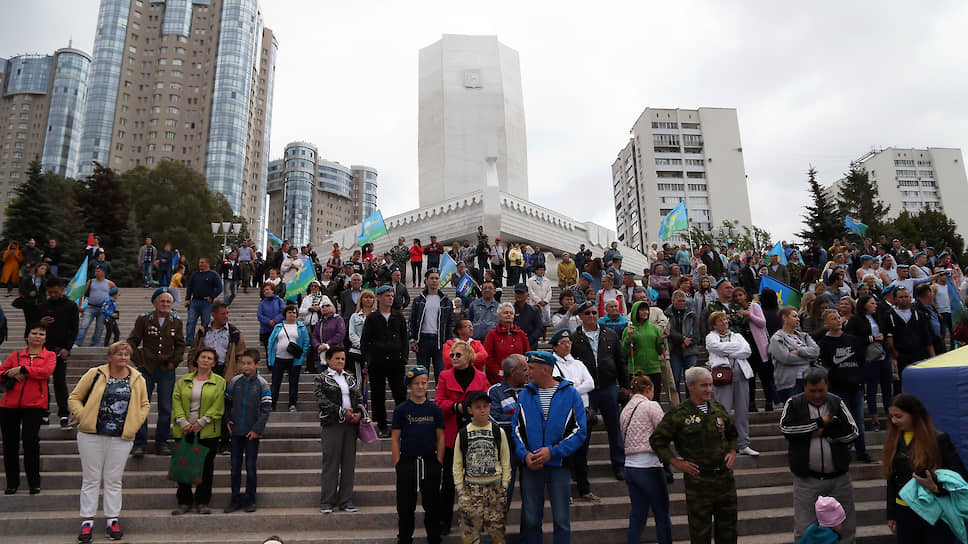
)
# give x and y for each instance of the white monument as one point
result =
(473, 160)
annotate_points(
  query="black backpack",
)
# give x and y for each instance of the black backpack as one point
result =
(495, 432)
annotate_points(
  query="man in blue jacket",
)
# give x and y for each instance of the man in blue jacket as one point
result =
(549, 426)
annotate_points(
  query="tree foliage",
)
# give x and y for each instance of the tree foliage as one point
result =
(754, 238)
(104, 209)
(32, 211)
(858, 197)
(934, 226)
(820, 222)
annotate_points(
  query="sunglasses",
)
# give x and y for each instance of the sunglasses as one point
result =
(590, 312)
(456, 355)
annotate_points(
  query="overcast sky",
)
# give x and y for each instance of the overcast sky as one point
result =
(819, 86)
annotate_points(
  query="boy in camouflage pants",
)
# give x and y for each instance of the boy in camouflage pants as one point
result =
(482, 470)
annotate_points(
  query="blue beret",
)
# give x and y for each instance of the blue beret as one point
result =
(584, 306)
(418, 370)
(540, 357)
(902, 266)
(918, 254)
(866, 258)
(887, 290)
(563, 333)
(617, 256)
(383, 289)
(588, 276)
(113, 291)
(160, 291)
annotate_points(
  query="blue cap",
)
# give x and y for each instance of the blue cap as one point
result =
(113, 291)
(160, 291)
(584, 306)
(418, 370)
(540, 357)
(383, 289)
(563, 333)
(520, 288)
(588, 276)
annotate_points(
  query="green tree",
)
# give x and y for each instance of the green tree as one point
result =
(31, 211)
(745, 237)
(857, 197)
(821, 221)
(104, 209)
(932, 225)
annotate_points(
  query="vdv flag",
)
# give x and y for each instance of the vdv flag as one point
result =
(465, 285)
(447, 268)
(677, 219)
(854, 226)
(778, 251)
(372, 228)
(274, 240)
(957, 305)
(304, 276)
(75, 289)
(785, 295)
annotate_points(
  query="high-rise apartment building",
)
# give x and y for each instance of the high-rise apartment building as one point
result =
(675, 155)
(41, 115)
(310, 197)
(912, 180)
(188, 81)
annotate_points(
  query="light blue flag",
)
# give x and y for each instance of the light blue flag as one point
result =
(274, 240)
(75, 289)
(447, 268)
(954, 298)
(304, 276)
(854, 225)
(372, 228)
(676, 220)
(778, 251)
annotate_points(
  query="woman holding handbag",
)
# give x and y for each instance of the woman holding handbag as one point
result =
(340, 402)
(728, 354)
(110, 403)
(198, 403)
(865, 325)
(286, 350)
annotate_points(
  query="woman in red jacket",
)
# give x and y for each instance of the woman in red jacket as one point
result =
(503, 340)
(463, 329)
(416, 261)
(452, 389)
(25, 374)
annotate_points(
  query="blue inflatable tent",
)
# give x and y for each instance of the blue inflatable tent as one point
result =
(942, 385)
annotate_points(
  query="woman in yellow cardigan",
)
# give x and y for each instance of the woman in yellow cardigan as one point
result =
(110, 402)
(198, 403)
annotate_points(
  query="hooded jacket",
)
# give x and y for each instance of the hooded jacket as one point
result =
(642, 344)
(563, 431)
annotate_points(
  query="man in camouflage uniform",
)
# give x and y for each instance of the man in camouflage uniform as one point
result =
(158, 341)
(400, 254)
(705, 439)
(724, 303)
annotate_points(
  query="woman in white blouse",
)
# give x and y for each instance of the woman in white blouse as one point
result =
(729, 349)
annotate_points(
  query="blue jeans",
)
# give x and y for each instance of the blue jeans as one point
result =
(250, 448)
(605, 401)
(91, 313)
(783, 395)
(855, 403)
(679, 363)
(557, 480)
(164, 277)
(230, 289)
(147, 268)
(879, 373)
(197, 309)
(429, 354)
(164, 378)
(648, 489)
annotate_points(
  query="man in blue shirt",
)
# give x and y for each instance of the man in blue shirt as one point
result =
(203, 287)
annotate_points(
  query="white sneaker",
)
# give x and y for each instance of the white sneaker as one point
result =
(749, 451)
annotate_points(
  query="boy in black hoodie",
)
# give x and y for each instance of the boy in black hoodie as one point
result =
(841, 355)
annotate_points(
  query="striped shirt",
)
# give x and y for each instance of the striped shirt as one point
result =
(544, 395)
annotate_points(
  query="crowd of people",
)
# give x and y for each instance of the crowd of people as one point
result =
(505, 411)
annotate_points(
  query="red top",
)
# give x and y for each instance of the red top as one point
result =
(480, 359)
(416, 254)
(500, 343)
(450, 392)
(32, 392)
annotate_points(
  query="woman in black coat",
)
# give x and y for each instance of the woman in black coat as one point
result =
(865, 325)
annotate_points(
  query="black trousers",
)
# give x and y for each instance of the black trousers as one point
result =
(278, 369)
(382, 374)
(447, 489)
(203, 491)
(60, 387)
(418, 474)
(18, 424)
(498, 274)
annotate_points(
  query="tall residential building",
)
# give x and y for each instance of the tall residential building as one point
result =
(471, 107)
(675, 155)
(912, 180)
(188, 81)
(42, 111)
(310, 197)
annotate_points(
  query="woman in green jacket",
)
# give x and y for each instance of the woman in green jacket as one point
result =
(198, 403)
(642, 341)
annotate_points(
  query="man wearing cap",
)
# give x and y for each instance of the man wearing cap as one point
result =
(158, 344)
(431, 323)
(383, 345)
(539, 293)
(819, 428)
(567, 271)
(600, 348)
(920, 269)
(705, 439)
(548, 427)
(504, 405)
(400, 254)
(616, 268)
(584, 284)
(483, 311)
(497, 261)
(576, 372)
(526, 316)
(905, 280)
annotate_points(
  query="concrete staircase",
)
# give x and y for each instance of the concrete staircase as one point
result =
(289, 472)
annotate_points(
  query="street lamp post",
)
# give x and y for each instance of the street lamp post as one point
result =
(227, 228)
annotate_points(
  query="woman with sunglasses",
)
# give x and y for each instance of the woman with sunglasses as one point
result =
(463, 331)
